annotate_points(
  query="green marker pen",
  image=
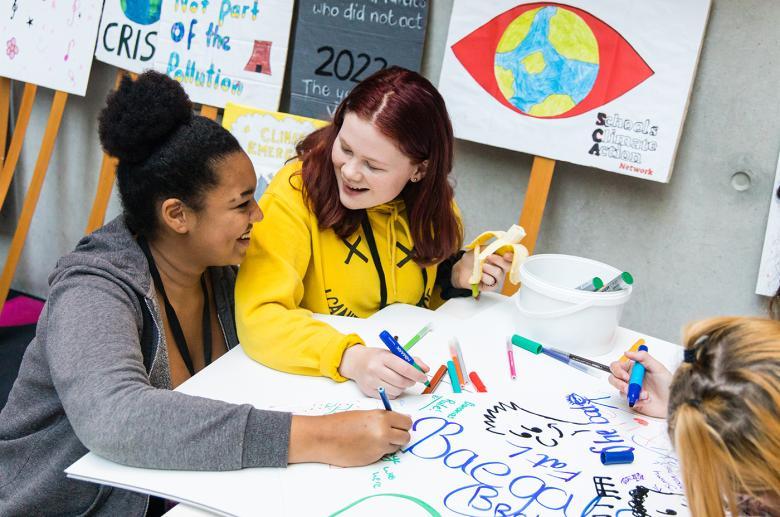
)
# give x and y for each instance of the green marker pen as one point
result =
(427, 328)
(620, 282)
(594, 285)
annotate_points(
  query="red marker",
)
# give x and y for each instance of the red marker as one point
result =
(477, 382)
(436, 380)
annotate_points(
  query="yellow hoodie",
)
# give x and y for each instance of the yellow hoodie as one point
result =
(294, 268)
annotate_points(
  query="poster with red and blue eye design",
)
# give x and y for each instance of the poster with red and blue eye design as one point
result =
(602, 84)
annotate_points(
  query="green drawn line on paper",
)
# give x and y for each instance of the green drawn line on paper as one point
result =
(419, 502)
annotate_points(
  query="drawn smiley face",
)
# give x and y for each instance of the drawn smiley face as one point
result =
(548, 437)
(508, 418)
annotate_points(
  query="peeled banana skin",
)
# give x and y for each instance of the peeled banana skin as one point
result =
(503, 242)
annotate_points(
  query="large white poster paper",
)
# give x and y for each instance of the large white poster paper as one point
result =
(469, 455)
(493, 455)
(602, 84)
(50, 43)
(529, 446)
(226, 50)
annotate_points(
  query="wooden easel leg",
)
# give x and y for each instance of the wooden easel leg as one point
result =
(97, 213)
(15, 149)
(209, 112)
(5, 105)
(533, 208)
(33, 193)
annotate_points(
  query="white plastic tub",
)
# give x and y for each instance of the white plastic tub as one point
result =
(554, 313)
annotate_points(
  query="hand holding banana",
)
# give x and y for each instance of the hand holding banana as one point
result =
(503, 242)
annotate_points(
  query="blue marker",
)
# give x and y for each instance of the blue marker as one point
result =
(635, 382)
(398, 351)
(383, 396)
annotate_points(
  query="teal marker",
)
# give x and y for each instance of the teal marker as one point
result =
(527, 344)
(453, 377)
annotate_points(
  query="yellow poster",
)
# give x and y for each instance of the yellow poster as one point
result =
(268, 137)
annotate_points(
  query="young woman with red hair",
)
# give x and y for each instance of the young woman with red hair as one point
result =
(365, 217)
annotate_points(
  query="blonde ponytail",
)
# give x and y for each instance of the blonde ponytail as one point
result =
(703, 457)
(724, 414)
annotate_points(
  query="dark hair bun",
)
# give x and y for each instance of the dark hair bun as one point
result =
(140, 115)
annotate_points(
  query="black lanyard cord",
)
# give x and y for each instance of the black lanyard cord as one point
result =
(369, 233)
(173, 320)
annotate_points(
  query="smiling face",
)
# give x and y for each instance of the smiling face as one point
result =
(370, 168)
(548, 435)
(522, 426)
(222, 226)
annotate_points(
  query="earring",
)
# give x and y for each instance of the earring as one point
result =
(414, 180)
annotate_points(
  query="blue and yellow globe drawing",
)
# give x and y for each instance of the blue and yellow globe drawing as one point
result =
(546, 61)
(143, 12)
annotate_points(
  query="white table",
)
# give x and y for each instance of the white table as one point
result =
(489, 318)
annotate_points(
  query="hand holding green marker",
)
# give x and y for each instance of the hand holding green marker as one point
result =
(397, 350)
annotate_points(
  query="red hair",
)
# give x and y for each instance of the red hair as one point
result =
(408, 109)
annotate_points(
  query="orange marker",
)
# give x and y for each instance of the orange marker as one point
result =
(436, 379)
(456, 360)
(634, 348)
(458, 369)
(477, 382)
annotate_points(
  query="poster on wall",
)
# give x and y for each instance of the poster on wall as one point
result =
(50, 43)
(769, 270)
(128, 31)
(602, 84)
(340, 42)
(226, 51)
(268, 137)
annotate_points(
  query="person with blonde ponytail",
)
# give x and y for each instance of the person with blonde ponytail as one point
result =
(723, 410)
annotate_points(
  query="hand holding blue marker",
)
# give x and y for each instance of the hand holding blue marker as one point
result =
(397, 350)
(635, 382)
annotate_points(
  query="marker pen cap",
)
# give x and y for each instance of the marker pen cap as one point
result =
(526, 344)
(616, 457)
(594, 285)
(627, 278)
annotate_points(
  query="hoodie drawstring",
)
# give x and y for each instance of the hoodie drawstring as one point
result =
(392, 241)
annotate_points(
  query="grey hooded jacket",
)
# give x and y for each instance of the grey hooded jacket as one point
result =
(96, 378)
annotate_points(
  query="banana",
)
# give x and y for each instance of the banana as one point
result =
(508, 241)
(476, 272)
